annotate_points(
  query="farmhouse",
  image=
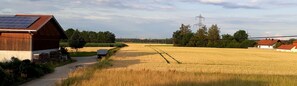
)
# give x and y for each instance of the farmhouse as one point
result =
(267, 43)
(288, 48)
(23, 36)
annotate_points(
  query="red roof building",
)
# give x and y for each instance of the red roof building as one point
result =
(267, 43)
(23, 36)
(288, 48)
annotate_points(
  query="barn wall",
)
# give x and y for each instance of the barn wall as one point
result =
(47, 37)
(15, 41)
(22, 55)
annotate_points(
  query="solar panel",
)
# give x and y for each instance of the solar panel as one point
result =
(10, 22)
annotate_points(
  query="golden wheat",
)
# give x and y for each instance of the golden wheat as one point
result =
(141, 65)
(207, 60)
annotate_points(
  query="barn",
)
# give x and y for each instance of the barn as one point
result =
(23, 36)
(288, 48)
(267, 43)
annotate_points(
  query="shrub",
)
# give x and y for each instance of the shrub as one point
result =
(15, 71)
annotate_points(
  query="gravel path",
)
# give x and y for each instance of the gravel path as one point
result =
(61, 72)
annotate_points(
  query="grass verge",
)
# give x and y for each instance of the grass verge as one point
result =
(65, 44)
(82, 54)
(87, 72)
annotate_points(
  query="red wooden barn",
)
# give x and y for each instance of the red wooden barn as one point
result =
(22, 36)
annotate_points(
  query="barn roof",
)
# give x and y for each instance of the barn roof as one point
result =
(23, 26)
(286, 47)
(267, 42)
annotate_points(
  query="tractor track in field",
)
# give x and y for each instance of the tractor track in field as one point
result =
(164, 54)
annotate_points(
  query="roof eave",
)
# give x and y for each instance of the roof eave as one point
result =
(11, 30)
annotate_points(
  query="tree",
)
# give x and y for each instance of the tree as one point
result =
(69, 32)
(213, 33)
(85, 35)
(93, 37)
(240, 35)
(202, 33)
(291, 41)
(176, 37)
(199, 39)
(227, 37)
(182, 36)
(76, 41)
(110, 37)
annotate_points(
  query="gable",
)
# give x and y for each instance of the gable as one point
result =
(43, 25)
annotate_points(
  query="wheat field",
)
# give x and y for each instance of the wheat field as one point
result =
(146, 65)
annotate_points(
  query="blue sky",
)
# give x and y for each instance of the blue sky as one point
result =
(160, 18)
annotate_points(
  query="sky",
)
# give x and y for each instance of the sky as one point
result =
(160, 18)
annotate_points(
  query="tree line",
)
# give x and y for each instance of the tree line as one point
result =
(77, 39)
(210, 37)
(137, 40)
(91, 36)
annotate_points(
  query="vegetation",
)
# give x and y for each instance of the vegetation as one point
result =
(86, 73)
(200, 66)
(97, 44)
(15, 72)
(138, 40)
(82, 54)
(211, 38)
(147, 77)
(76, 41)
(92, 37)
(182, 36)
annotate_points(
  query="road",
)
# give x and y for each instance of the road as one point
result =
(61, 72)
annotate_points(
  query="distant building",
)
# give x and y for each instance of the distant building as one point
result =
(267, 43)
(23, 36)
(288, 48)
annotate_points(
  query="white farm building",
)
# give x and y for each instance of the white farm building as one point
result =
(267, 43)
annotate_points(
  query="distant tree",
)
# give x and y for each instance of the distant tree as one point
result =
(277, 45)
(93, 37)
(176, 37)
(85, 35)
(214, 33)
(182, 36)
(76, 41)
(69, 32)
(110, 37)
(291, 40)
(200, 38)
(185, 29)
(227, 37)
(202, 33)
(240, 35)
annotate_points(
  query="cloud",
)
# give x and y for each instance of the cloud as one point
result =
(226, 4)
(136, 4)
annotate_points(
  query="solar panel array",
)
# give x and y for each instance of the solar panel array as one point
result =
(18, 22)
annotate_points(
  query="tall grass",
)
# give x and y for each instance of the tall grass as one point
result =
(147, 77)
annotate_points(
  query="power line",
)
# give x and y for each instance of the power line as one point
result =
(276, 36)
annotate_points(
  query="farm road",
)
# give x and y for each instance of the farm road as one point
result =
(61, 72)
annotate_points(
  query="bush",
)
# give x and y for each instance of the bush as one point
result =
(16, 71)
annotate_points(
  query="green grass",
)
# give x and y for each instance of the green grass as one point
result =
(65, 44)
(82, 54)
